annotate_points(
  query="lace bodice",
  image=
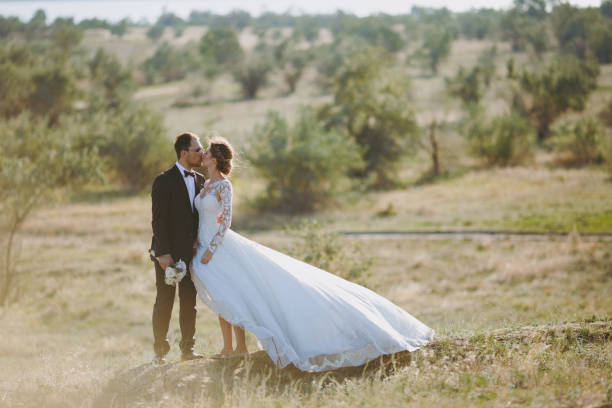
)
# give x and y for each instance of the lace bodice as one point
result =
(214, 199)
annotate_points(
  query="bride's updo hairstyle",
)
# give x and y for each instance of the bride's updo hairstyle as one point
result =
(222, 151)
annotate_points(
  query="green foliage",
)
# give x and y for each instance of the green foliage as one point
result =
(583, 32)
(581, 142)
(252, 74)
(95, 23)
(109, 76)
(522, 29)
(53, 92)
(221, 50)
(155, 32)
(479, 24)
(504, 140)
(120, 28)
(65, 36)
(468, 85)
(606, 8)
(9, 26)
(131, 144)
(375, 32)
(436, 45)
(303, 165)
(331, 252)
(371, 105)
(564, 85)
(465, 85)
(293, 64)
(36, 160)
(170, 63)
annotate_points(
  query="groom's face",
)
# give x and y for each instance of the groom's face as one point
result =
(195, 153)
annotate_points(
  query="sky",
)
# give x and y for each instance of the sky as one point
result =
(115, 10)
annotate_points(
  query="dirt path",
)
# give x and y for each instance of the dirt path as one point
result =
(478, 234)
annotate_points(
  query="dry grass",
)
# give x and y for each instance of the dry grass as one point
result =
(88, 289)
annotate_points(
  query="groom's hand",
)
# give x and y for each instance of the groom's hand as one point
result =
(165, 261)
(220, 219)
(206, 257)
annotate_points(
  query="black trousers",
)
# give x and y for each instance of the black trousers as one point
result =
(162, 310)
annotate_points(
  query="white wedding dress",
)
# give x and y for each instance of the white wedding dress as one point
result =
(300, 314)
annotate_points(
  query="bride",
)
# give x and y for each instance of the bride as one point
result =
(300, 314)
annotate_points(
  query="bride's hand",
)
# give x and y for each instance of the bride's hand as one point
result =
(206, 257)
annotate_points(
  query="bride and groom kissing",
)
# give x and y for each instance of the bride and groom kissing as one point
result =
(300, 314)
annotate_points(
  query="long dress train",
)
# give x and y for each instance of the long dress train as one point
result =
(300, 314)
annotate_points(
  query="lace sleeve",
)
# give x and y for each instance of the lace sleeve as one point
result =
(225, 192)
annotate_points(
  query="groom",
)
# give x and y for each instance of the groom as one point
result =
(175, 223)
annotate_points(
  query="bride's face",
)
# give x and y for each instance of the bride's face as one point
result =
(208, 159)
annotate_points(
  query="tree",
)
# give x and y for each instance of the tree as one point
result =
(65, 36)
(37, 24)
(155, 32)
(120, 28)
(564, 85)
(110, 77)
(436, 46)
(252, 75)
(606, 8)
(131, 143)
(221, 49)
(580, 142)
(465, 85)
(371, 105)
(303, 164)
(168, 63)
(35, 161)
(503, 140)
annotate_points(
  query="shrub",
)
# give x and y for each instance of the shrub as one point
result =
(564, 85)
(131, 144)
(303, 165)
(169, 63)
(504, 140)
(371, 104)
(36, 161)
(580, 143)
(252, 75)
(330, 251)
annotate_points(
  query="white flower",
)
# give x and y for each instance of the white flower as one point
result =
(174, 273)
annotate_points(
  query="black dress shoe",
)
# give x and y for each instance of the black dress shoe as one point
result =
(190, 355)
(159, 360)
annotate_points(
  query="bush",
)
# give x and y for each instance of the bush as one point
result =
(221, 50)
(131, 144)
(371, 105)
(36, 161)
(303, 165)
(562, 86)
(252, 75)
(331, 252)
(170, 63)
(580, 143)
(505, 140)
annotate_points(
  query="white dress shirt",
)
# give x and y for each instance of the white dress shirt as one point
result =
(189, 182)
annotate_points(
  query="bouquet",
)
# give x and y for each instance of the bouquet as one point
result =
(175, 272)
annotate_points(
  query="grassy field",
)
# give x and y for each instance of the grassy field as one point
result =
(88, 289)
(83, 317)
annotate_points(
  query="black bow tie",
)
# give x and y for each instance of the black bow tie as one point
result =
(189, 173)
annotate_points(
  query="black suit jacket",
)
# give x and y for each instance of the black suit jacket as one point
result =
(174, 223)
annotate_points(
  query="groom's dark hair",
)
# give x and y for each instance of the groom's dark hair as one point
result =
(183, 141)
